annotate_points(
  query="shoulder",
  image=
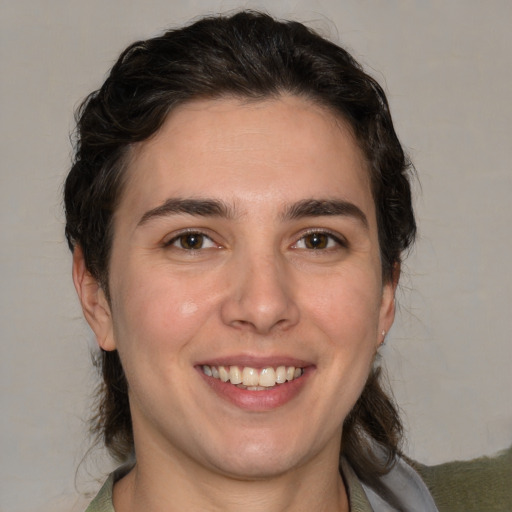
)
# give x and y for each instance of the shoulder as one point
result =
(461, 486)
(103, 500)
(471, 486)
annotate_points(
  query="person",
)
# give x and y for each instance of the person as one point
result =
(238, 209)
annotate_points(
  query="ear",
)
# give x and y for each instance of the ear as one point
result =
(387, 308)
(94, 303)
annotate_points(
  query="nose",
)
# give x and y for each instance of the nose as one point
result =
(260, 296)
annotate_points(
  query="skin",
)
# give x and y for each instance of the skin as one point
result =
(254, 289)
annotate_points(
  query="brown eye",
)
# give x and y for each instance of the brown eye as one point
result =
(319, 240)
(316, 241)
(191, 242)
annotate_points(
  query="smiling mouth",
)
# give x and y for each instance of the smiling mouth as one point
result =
(253, 379)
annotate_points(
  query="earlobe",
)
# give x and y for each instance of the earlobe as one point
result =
(94, 302)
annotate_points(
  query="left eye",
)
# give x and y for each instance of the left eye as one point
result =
(191, 241)
(317, 240)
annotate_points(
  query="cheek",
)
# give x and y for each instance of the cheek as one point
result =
(157, 313)
(347, 306)
(346, 313)
(188, 308)
(155, 325)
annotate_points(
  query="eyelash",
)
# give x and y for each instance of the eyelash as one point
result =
(329, 239)
(181, 236)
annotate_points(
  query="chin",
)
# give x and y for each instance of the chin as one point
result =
(258, 460)
(256, 468)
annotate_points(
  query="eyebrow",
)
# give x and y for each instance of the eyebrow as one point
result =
(216, 208)
(325, 208)
(197, 207)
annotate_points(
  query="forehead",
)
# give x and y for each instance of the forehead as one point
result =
(275, 150)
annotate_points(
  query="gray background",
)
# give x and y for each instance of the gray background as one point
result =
(447, 68)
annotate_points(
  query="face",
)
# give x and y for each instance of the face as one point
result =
(247, 299)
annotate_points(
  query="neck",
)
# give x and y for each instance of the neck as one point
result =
(168, 484)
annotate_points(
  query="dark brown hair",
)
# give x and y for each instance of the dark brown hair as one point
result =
(253, 56)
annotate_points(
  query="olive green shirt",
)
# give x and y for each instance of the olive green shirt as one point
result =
(479, 485)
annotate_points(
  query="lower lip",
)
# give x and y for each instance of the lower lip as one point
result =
(258, 401)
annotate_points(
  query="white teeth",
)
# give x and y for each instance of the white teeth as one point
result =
(268, 377)
(281, 375)
(235, 375)
(251, 378)
(224, 374)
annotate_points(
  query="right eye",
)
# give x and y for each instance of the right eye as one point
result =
(191, 241)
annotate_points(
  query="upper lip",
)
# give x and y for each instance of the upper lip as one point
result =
(254, 361)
